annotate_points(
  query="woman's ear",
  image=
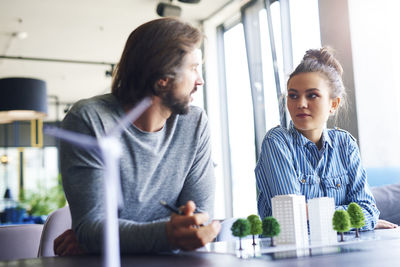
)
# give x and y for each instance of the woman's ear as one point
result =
(335, 104)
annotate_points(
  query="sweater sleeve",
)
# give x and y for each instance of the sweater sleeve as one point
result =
(199, 184)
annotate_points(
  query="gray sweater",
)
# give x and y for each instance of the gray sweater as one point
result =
(173, 164)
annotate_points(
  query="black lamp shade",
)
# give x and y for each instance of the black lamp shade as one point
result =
(22, 99)
(190, 1)
(168, 10)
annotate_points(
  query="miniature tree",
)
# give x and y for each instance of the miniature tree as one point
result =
(240, 228)
(357, 219)
(271, 228)
(341, 222)
(255, 226)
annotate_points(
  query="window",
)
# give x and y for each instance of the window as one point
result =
(240, 123)
(234, 109)
(40, 170)
(304, 21)
(270, 91)
(304, 29)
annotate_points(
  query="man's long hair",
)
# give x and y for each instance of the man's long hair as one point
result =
(153, 51)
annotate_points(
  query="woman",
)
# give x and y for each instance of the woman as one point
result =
(307, 158)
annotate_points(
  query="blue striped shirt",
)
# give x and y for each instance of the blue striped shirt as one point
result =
(289, 163)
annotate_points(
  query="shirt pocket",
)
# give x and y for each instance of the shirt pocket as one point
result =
(308, 179)
(309, 185)
(336, 187)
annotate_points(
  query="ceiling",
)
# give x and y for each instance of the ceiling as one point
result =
(81, 30)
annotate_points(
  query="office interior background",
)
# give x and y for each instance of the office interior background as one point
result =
(250, 49)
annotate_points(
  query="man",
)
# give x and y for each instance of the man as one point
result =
(166, 151)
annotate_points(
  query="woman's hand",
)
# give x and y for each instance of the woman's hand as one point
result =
(382, 224)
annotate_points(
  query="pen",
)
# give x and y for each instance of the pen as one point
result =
(171, 208)
(176, 210)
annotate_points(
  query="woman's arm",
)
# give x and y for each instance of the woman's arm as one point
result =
(358, 188)
(275, 174)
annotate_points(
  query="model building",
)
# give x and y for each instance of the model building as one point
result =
(290, 211)
(320, 214)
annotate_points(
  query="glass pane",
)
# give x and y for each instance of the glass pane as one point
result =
(305, 35)
(241, 123)
(40, 171)
(304, 18)
(198, 97)
(270, 94)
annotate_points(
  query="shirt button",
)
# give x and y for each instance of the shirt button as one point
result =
(303, 181)
(337, 185)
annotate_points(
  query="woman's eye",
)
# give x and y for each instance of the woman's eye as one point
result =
(292, 96)
(312, 96)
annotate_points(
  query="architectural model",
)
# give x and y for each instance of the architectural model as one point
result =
(290, 211)
(320, 215)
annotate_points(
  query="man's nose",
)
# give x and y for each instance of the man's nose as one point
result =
(199, 81)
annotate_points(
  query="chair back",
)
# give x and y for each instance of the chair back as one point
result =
(387, 202)
(19, 241)
(58, 222)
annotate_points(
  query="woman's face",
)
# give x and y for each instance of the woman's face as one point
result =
(309, 103)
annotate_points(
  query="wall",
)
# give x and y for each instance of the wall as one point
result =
(335, 32)
(375, 41)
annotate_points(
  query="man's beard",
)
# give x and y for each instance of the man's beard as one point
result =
(175, 104)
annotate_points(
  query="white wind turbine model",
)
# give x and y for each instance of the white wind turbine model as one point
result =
(111, 149)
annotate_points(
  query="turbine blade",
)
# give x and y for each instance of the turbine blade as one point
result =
(77, 139)
(132, 115)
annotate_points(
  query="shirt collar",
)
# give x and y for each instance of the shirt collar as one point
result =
(326, 138)
(302, 140)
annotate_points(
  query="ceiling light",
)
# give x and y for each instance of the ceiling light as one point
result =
(20, 35)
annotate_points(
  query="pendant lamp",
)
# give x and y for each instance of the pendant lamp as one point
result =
(22, 99)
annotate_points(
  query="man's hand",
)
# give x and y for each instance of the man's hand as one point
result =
(67, 245)
(187, 232)
(382, 224)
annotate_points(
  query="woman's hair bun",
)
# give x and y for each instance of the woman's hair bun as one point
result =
(323, 61)
(325, 56)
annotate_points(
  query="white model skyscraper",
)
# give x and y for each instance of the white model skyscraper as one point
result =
(320, 214)
(290, 211)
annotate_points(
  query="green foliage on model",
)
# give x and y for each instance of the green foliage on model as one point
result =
(240, 228)
(271, 228)
(255, 226)
(341, 222)
(357, 219)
